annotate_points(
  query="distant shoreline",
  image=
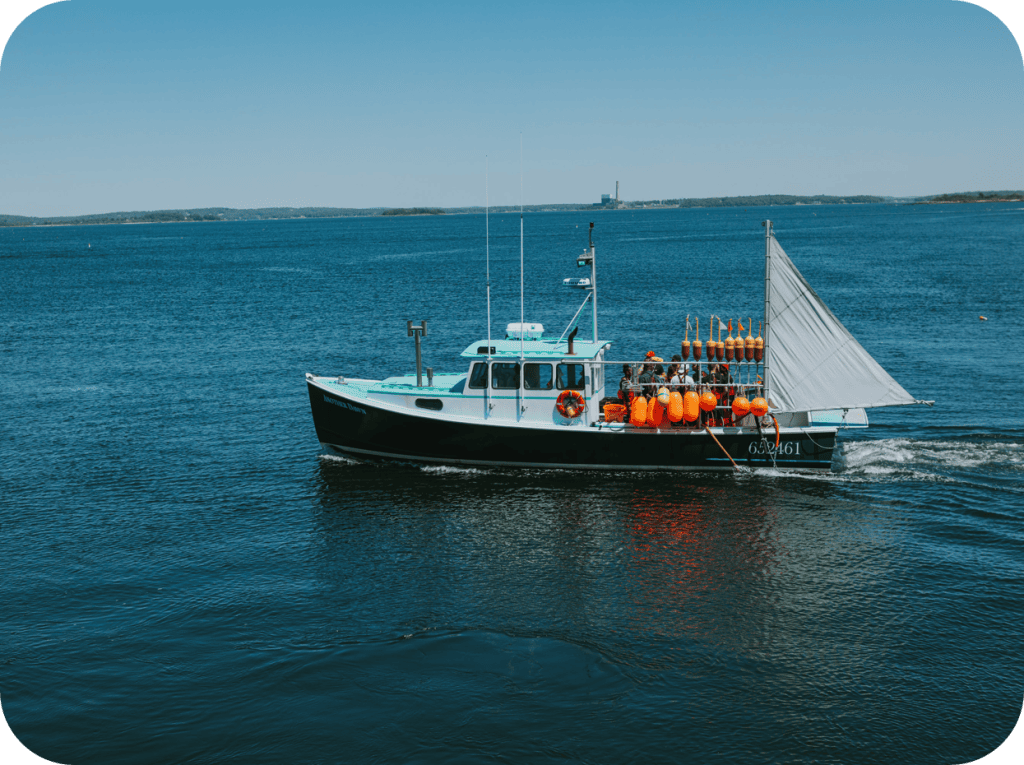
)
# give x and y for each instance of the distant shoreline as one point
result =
(222, 214)
(970, 201)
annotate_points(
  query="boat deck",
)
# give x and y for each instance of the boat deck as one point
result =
(447, 384)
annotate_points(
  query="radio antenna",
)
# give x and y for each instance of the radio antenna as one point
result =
(487, 229)
(522, 312)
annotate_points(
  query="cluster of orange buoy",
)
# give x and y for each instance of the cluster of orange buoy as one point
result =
(686, 407)
(737, 348)
(714, 397)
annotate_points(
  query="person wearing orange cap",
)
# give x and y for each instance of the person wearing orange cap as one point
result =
(722, 376)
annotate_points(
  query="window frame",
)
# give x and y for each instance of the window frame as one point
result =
(583, 374)
(472, 373)
(551, 379)
(519, 375)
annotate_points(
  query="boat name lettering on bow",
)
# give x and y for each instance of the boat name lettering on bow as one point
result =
(343, 405)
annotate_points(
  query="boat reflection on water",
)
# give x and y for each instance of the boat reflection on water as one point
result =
(697, 600)
(702, 561)
(715, 558)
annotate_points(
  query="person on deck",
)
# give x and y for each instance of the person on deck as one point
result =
(658, 378)
(711, 378)
(671, 375)
(645, 380)
(625, 386)
(727, 392)
(722, 376)
(695, 374)
(675, 374)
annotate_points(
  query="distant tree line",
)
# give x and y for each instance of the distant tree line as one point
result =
(183, 216)
(414, 211)
(977, 196)
(764, 200)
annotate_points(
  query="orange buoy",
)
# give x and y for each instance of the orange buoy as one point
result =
(663, 396)
(730, 344)
(748, 342)
(710, 349)
(686, 342)
(758, 345)
(740, 406)
(759, 407)
(675, 406)
(708, 401)
(655, 413)
(638, 412)
(696, 343)
(719, 345)
(691, 406)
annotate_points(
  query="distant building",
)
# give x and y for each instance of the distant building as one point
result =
(606, 199)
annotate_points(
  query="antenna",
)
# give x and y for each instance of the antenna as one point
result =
(487, 229)
(522, 312)
(593, 277)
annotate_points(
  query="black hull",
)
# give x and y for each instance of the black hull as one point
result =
(358, 429)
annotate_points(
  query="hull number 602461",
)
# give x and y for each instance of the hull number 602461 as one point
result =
(760, 447)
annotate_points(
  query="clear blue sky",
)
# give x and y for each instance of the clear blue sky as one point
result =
(110, 105)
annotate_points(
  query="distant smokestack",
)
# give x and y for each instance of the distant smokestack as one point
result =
(616, 192)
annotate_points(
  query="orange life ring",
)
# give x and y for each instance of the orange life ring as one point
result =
(570, 404)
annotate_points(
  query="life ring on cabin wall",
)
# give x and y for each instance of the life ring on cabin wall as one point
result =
(570, 404)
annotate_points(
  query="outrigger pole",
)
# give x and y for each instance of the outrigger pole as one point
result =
(767, 298)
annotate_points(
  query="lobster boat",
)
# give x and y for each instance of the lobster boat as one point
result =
(530, 401)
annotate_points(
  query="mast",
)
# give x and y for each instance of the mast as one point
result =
(593, 279)
(487, 229)
(522, 312)
(767, 295)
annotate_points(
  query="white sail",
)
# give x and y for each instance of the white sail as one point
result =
(814, 362)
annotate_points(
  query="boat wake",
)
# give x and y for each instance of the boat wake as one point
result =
(339, 459)
(896, 453)
(923, 460)
(450, 470)
(413, 466)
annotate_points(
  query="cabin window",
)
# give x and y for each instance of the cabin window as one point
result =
(435, 404)
(537, 377)
(478, 378)
(505, 376)
(571, 377)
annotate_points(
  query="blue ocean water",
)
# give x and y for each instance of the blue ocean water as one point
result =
(186, 578)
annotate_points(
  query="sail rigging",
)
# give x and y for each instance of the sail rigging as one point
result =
(815, 362)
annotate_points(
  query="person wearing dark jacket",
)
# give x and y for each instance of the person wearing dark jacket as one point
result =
(625, 385)
(645, 379)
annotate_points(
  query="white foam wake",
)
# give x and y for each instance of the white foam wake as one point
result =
(906, 455)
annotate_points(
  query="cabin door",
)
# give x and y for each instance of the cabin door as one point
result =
(505, 390)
